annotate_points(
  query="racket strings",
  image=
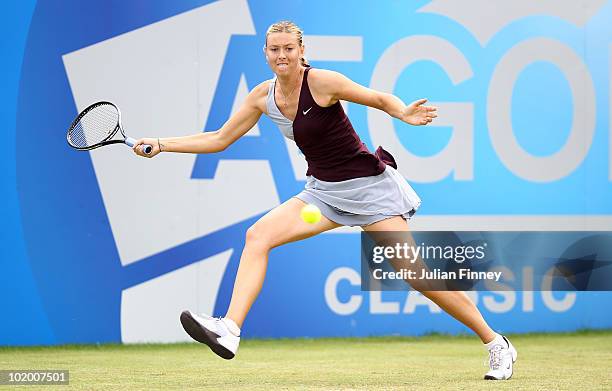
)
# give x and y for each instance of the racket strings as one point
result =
(96, 125)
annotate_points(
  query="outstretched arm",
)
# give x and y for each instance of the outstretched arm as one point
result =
(334, 86)
(209, 142)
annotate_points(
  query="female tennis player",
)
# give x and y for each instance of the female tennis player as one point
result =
(305, 104)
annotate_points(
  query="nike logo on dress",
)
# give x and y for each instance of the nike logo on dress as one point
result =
(306, 111)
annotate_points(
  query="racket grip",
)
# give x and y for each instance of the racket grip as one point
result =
(145, 147)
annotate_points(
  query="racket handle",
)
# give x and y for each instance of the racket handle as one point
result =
(145, 147)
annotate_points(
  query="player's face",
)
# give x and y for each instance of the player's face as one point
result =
(283, 53)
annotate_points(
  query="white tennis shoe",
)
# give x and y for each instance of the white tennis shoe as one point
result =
(502, 356)
(213, 332)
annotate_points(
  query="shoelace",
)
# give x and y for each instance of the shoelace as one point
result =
(224, 329)
(495, 357)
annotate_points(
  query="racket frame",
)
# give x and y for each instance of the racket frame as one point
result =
(107, 141)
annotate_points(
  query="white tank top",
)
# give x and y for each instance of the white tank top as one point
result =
(284, 123)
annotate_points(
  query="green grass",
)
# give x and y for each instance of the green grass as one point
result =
(576, 361)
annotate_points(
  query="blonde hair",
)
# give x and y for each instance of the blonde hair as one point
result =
(286, 26)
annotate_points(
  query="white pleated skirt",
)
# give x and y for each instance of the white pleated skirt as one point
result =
(362, 201)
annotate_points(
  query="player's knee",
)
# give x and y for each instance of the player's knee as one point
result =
(421, 286)
(257, 237)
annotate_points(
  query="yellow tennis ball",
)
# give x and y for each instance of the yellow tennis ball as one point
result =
(310, 214)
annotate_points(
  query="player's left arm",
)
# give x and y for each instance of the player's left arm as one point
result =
(335, 86)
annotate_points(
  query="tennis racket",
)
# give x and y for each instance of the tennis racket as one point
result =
(97, 126)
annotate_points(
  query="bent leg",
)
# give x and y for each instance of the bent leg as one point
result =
(279, 226)
(455, 303)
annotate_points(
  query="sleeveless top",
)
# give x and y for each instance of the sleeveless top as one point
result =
(327, 139)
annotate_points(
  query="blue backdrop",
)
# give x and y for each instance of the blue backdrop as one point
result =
(523, 141)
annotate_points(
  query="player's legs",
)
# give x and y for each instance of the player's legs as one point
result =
(456, 303)
(279, 226)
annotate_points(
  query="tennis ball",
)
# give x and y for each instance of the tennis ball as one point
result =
(310, 214)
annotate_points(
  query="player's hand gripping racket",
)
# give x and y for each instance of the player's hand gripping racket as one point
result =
(96, 126)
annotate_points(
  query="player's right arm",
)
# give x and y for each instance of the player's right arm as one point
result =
(209, 142)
